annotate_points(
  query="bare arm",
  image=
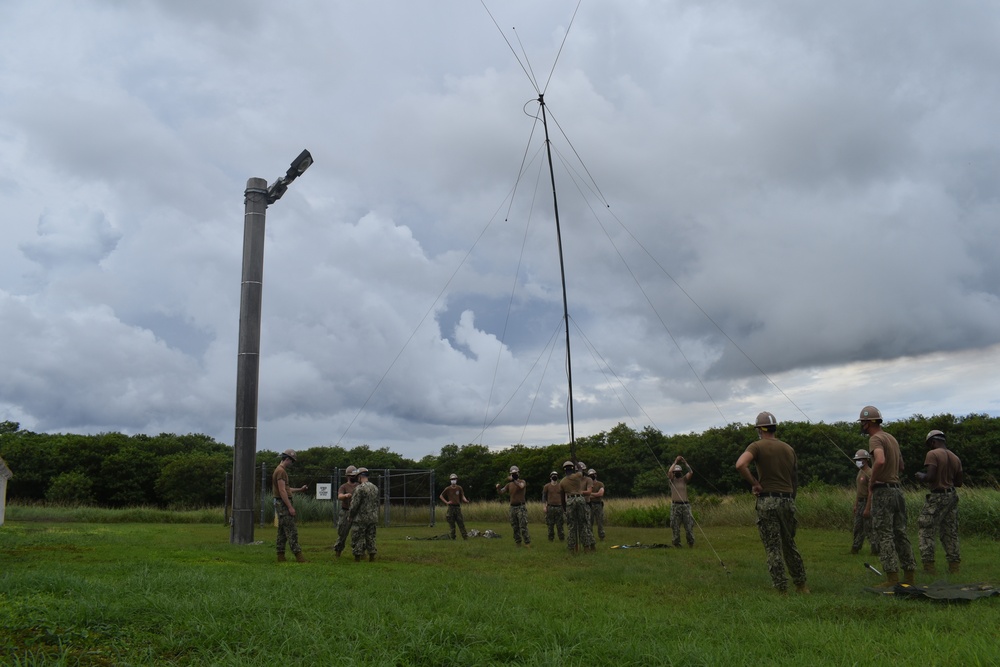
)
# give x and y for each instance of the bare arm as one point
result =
(743, 467)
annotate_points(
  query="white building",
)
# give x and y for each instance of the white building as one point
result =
(5, 474)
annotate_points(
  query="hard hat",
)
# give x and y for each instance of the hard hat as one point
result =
(553, 474)
(581, 466)
(514, 469)
(568, 464)
(363, 471)
(862, 454)
(351, 471)
(766, 419)
(678, 468)
(870, 413)
(289, 454)
(934, 435)
(452, 476)
(591, 472)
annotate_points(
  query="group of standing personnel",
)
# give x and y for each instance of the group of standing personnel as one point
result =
(358, 512)
(578, 501)
(879, 506)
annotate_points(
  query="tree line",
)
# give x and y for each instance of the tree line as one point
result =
(168, 470)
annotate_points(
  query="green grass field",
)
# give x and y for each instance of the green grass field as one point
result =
(180, 594)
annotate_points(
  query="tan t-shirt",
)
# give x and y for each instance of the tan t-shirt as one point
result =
(595, 487)
(573, 485)
(863, 476)
(345, 488)
(948, 467)
(679, 489)
(776, 463)
(889, 474)
(517, 489)
(452, 494)
(282, 474)
(551, 495)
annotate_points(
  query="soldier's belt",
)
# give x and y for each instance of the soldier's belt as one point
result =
(774, 494)
(880, 485)
(950, 489)
(574, 495)
(684, 502)
(517, 504)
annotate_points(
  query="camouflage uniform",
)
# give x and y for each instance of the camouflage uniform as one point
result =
(287, 531)
(888, 510)
(344, 522)
(939, 517)
(364, 518)
(680, 513)
(516, 488)
(940, 513)
(597, 510)
(889, 526)
(776, 524)
(572, 486)
(862, 523)
(553, 511)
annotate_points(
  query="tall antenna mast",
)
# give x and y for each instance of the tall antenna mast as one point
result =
(562, 275)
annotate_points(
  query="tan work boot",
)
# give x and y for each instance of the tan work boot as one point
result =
(281, 557)
(908, 577)
(891, 579)
(953, 568)
(300, 558)
(802, 588)
(929, 568)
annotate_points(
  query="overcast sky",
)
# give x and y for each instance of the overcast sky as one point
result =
(772, 206)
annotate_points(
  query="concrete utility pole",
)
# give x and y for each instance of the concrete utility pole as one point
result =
(256, 200)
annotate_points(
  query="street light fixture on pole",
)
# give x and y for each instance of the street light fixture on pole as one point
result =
(256, 200)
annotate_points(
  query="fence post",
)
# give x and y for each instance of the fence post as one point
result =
(263, 490)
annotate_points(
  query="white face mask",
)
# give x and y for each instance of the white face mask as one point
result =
(454, 482)
(860, 464)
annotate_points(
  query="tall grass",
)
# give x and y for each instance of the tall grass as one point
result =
(823, 507)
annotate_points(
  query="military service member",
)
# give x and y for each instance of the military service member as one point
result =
(596, 503)
(453, 496)
(552, 502)
(886, 505)
(516, 488)
(363, 515)
(574, 490)
(862, 523)
(283, 509)
(680, 506)
(344, 495)
(777, 470)
(940, 513)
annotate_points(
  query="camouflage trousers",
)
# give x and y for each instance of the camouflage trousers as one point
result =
(862, 528)
(554, 520)
(777, 524)
(287, 531)
(519, 523)
(939, 517)
(889, 529)
(343, 530)
(578, 524)
(454, 516)
(681, 513)
(597, 517)
(363, 539)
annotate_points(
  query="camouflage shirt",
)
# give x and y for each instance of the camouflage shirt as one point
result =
(364, 504)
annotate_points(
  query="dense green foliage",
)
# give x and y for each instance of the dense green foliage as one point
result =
(189, 470)
(79, 594)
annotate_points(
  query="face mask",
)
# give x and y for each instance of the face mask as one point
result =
(513, 475)
(454, 482)
(860, 464)
(554, 477)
